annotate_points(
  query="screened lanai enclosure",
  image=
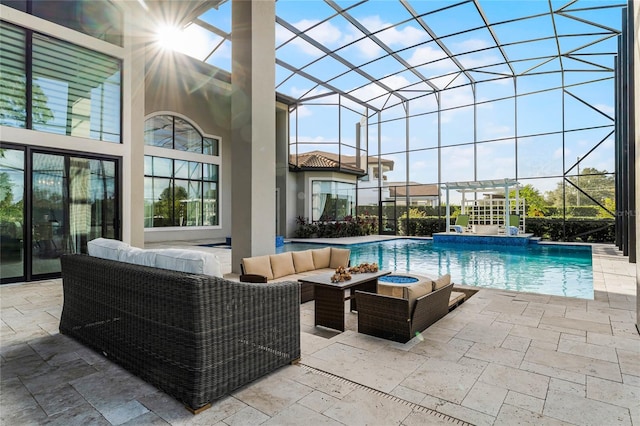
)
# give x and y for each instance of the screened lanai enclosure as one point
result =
(411, 94)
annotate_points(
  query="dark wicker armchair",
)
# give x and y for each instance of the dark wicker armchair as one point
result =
(391, 318)
(196, 337)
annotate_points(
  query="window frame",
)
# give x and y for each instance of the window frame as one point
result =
(193, 157)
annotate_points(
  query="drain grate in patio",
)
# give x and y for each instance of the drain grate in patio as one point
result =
(413, 405)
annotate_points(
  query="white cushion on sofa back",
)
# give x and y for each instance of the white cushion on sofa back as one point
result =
(192, 261)
(106, 248)
(137, 256)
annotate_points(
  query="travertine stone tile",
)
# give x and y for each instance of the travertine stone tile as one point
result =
(59, 399)
(272, 394)
(466, 414)
(460, 321)
(147, 419)
(509, 307)
(421, 418)
(247, 416)
(586, 349)
(544, 345)
(297, 415)
(530, 321)
(552, 372)
(516, 343)
(515, 379)
(493, 334)
(621, 342)
(452, 350)
(439, 332)
(628, 379)
(310, 343)
(574, 363)
(590, 316)
(584, 411)
(615, 393)
(443, 379)
(19, 350)
(57, 376)
(391, 366)
(123, 412)
(535, 333)
(526, 402)
(566, 386)
(582, 338)
(318, 401)
(510, 415)
(625, 329)
(494, 354)
(85, 414)
(335, 388)
(174, 412)
(408, 394)
(15, 398)
(577, 324)
(563, 330)
(362, 407)
(485, 398)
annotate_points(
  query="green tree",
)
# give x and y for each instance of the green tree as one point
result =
(13, 101)
(168, 206)
(535, 203)
(599, 184)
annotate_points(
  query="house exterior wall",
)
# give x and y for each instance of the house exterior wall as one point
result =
(206, 103)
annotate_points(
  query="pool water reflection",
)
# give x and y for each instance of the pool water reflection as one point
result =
(562, 270)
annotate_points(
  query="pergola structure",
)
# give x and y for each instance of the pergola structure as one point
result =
(482, 186)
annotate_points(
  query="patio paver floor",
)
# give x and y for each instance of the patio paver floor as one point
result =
(500, 358)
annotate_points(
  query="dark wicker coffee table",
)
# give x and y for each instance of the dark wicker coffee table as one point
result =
(330, 297)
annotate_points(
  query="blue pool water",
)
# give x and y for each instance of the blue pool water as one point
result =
(561, 270)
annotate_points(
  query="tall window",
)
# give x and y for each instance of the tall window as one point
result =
(98, 18)
(181, 186)
(333, 200)
(58, 87)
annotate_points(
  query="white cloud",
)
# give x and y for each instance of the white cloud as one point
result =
(424, 54)
(326, 34)
(471, 45)
(558, 153)
(392, 36)
(303, 111)
(607, 109)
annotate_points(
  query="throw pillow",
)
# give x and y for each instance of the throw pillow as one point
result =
(282, 264)
(339, 257)
(415, 291)
(441, 282)
(260, 265)
(303, 261)
(321, 257)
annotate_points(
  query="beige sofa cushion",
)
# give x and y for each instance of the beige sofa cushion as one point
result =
(414, 291)
(260, 265)
(339, 257)
(321, 257)
(391, 290)
(442, 282)
(282, 264)
(303, 260)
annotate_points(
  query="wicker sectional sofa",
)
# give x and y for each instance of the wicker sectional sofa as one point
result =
(196, 337)
(292, 266)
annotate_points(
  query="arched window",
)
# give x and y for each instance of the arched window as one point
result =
(182, 169)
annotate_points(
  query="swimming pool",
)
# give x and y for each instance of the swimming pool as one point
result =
(562, 270)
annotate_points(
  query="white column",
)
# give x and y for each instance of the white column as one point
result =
(636, 84)
(253, 129)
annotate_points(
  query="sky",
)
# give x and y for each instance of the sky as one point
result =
(548, 101)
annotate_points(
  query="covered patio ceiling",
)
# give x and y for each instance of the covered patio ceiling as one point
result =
(383, 53)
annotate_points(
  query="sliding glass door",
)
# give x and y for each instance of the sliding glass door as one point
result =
(70, 199)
